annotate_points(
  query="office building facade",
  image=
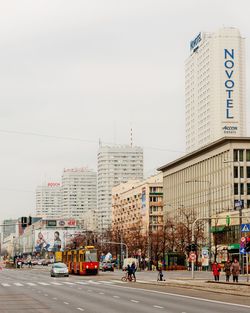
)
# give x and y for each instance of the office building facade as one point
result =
(49, 200)
(79, 192)
(116, 165)
(215, 88)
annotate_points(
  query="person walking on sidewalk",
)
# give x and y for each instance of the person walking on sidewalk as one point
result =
(227, 269)
(235, 269)
(216, 271)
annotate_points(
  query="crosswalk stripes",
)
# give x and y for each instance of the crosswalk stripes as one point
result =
(61, 283)
(18, 284)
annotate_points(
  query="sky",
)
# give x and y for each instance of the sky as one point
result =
(76, 72)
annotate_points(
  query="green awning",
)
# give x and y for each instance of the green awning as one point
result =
(234, 246)
(217, 229)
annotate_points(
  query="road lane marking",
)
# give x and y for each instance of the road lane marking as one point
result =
(31, 284)
(158, 307)
(18, 284)
(81, 283)
(45, 295)
(101, 293)
(80, 309)
(43, 284)
(68, 283)
(105, 282)
(65, 302)
(57, 284)
(94, 282)
(117, 297)
(5, 285)
(183, 296)
(134, 301)
(54, 298)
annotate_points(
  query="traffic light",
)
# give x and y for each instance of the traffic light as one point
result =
(248, 244)
(188, 248)
(29, 220)
(24, 221)
(194, 247)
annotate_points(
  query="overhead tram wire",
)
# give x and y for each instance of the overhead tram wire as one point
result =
(23, 133)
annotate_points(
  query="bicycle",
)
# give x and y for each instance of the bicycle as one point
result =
(129, 278)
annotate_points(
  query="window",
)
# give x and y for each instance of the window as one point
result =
(241, 172)
(248, 155)
(248, 188)
(235, 171)
(238, 155)
(235, 188)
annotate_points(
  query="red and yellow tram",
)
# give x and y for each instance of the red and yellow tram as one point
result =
(81, 261)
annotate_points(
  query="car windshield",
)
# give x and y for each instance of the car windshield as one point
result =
(59, 265)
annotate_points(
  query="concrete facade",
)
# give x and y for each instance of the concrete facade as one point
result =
(138, 204)
(215, 88)
(116, 165)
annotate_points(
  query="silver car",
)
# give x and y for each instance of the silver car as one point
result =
(59, 269)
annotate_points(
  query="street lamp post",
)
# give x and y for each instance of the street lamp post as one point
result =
(209, 215)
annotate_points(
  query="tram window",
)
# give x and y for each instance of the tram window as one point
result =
(81, 257)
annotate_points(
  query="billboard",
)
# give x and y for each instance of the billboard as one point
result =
(51, 239)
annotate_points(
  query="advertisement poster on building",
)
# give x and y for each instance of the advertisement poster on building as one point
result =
(51, 240)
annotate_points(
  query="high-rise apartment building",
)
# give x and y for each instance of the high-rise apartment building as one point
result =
(116, 165)
(215, 88)
(49, 200)
(78, 192)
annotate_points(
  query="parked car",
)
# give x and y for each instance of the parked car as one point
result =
(107, 266)
(59, 269)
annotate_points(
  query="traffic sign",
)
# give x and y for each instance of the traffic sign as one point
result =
(243, 239)
(192, 256)
(245, 228)
(242, 251)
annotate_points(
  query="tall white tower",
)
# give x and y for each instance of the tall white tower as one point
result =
(49, 200)
(78, 192)
(116, 165)
(215, 88)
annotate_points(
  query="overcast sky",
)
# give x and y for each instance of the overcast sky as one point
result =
(90, 69)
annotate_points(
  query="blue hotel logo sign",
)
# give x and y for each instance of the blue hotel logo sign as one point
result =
(229, 81)
(194, 43)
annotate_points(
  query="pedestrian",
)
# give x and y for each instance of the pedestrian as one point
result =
(227, 269)
(216, 271)
(133, 269)
(235, 269)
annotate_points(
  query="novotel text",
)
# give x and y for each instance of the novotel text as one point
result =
(229, 82)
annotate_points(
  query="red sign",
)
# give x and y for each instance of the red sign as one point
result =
(192, 256)
(53, 184)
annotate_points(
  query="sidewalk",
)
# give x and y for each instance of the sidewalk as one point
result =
(202, 281)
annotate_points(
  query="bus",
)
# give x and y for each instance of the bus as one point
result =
(81, 261)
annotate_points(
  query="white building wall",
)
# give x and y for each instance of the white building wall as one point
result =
(49, 201)
(215, 88)
(116, 165)
(79, 192)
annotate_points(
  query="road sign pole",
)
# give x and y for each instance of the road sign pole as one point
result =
(247, 255)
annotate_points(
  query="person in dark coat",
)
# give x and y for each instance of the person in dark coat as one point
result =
(227, 269)
(235, 268)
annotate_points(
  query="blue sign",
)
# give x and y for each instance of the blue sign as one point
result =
(194, 43)
(229, 81)
(242, 251)
(245, 228)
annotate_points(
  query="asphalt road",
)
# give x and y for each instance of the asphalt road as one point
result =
(35, 291)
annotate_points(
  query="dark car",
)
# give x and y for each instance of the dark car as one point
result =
(107, 266)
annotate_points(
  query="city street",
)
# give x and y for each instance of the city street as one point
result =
(33, 290)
